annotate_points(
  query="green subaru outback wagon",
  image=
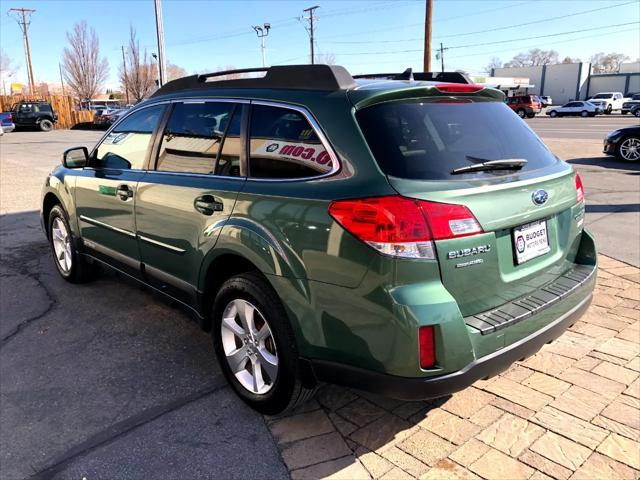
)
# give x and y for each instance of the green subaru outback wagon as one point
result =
(390, 233)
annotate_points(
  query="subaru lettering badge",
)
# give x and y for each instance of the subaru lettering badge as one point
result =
(539, 197)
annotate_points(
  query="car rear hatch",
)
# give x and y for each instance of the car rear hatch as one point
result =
(524, 220)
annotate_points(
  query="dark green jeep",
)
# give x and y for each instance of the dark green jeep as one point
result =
(400, 236)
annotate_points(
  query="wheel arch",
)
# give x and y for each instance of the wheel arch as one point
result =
(48, 202)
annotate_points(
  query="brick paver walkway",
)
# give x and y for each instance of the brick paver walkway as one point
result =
(572, 411)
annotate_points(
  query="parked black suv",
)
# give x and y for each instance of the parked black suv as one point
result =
(38, 114)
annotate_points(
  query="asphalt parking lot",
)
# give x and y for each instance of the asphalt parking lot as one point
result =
(107, 380)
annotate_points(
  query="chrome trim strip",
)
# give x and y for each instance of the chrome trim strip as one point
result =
(316, 127)
(187, 174)
(209, 99)
(98, 223)
(161, 244)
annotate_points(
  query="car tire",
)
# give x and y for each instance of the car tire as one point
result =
(46, 125)
(553, 114)
(70, 264)
(608, 110)
(628, 149)
(623, 113)
(584, 114)
(636, 112)
(269, 348)
(531, 115)
(521, 113)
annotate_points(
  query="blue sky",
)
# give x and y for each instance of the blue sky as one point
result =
(364, 36)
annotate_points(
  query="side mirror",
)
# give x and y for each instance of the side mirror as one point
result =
(76, 157)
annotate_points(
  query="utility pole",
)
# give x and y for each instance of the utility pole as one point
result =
(61, 79)
(440, 55)
(261, 32)
(162, 66)
(23, 17)
(155, 57)
(427, 35)
(310, 19)
(126, 80)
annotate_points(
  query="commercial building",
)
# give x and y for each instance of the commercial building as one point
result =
(564, 82)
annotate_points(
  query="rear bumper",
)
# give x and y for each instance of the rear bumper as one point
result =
(411, 388)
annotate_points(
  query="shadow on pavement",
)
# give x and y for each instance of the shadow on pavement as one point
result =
(610, 208)
(101, 380)
(608, 162)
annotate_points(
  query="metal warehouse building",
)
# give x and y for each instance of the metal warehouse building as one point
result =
(570, 81)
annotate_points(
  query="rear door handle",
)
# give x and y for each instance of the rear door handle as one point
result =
(208, 204)
(124, 192)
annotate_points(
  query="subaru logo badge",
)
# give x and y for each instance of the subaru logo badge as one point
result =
(539, 197)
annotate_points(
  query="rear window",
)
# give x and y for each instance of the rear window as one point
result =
(426, 140)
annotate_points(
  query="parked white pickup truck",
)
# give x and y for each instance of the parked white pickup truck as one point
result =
(608, 102)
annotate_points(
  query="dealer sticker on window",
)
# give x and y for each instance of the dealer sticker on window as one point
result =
(530, 241)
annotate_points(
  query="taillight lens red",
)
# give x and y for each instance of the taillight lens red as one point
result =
(426, 346)
(403, 227)
(579, 189)
(458, 87)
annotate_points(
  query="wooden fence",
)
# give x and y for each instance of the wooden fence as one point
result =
(64, 106)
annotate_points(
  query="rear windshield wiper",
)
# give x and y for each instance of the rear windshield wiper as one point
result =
(505, 164)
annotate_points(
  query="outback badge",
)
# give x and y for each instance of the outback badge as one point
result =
(539, 197)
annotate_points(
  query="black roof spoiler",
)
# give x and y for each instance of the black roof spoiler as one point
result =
(300, 77)
(408, 74)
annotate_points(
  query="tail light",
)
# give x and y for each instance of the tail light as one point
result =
(403, 227)
(579, 189)
(458, 87)
(10, 118)
(426, 346)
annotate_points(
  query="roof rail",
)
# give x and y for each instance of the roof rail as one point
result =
(451, 77)
(297, 77)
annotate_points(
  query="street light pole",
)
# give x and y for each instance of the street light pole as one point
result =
(261, 32)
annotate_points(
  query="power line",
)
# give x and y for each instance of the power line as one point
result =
(511, 40)
(404, 27)
(555, 43)
(608, 7)
(545, 36)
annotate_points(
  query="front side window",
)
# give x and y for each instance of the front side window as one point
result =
(125, 147)
(193, 136)
(284, 145)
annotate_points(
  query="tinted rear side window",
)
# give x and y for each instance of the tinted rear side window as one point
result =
(284, 145)
(426, 140)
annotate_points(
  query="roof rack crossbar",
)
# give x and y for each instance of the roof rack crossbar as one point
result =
(295, 77)
(408, 74)
(205, 76)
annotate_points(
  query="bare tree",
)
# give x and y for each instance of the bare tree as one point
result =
(174, 71)
(83, 69)
(568, 59)
(493, 64)
(607, 63)
(534, 57)
(7, 68)
(138, 75)
(326, 58)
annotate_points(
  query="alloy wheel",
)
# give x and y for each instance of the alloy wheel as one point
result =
(630, 149)
(249, 346)
(61, 244)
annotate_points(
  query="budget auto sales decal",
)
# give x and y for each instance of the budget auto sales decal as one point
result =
(314, 156)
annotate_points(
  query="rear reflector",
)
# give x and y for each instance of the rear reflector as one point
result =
(403, 227)
(458, 88)
(579, 189)
(427, 347)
